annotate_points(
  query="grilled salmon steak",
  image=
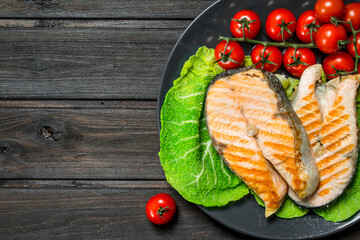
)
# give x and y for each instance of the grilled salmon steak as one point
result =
(254, 128)
(328, 113)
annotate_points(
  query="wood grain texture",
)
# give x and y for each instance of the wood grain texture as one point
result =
(80, 59)
(161, 9)
(79, 140)
(78, 210)
(103, 209)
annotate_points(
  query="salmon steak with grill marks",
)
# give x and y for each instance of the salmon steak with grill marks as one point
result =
(328, 113)
(258, 134)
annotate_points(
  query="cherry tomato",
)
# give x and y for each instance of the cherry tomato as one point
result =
(268, 60)
(352, 12)
(296, 64)
(325, 9)
(340, 60)
(160, 208)
(351, 48)
(280, 16)
(251, 30)
(233, 57)
(307, 19)
(327, 37)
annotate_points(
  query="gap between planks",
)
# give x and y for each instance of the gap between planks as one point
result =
(77, 104)
(80, 184)
(95, 23)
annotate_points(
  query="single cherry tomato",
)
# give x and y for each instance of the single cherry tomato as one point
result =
(325, 9)
(342, 61)
(160, 208)
(233, 57)
(306, 21)
(352, 12)
(251, 29)
(327, 37)
(298, 62)
(268, 60)
(277, 18)
(351, 48)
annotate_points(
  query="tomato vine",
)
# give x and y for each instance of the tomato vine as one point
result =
(312, 28)
(336, 21)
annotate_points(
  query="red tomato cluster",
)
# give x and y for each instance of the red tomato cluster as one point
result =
(313, 26)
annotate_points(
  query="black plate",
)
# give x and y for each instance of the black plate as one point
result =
(245, 216)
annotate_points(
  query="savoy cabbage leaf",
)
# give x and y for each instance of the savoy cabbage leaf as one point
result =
(191, 164)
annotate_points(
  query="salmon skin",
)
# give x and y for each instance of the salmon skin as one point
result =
(254, 128)
(328, 113)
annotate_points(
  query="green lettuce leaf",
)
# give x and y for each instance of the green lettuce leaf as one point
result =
(323, 76)
(289, 84)
(191, 164)
(349, 202)
(289, 209)
(247, 61)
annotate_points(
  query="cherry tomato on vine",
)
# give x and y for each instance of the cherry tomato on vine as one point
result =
(268, 60)
(351, 48)
(341, 60)
(352, 12)
(233, 57)
(251, 23)
(327, 37)
(298, 62)
(160, 208)
(307, 20)
(278, 19)
(325, 9)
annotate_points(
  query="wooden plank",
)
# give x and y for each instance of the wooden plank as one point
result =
(150, 9)
(79, 140)
(80, 59)
(37, 210)
(71, 104)
(103, 209)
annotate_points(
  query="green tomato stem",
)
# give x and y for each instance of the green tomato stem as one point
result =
(286, 44)
(162, 210)
(355, 47)
(336, 21)
(276, 44)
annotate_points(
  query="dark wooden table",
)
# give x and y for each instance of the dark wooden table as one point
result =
(78, 129)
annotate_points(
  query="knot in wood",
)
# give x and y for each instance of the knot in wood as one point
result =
(3, 149)
(48, 133)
